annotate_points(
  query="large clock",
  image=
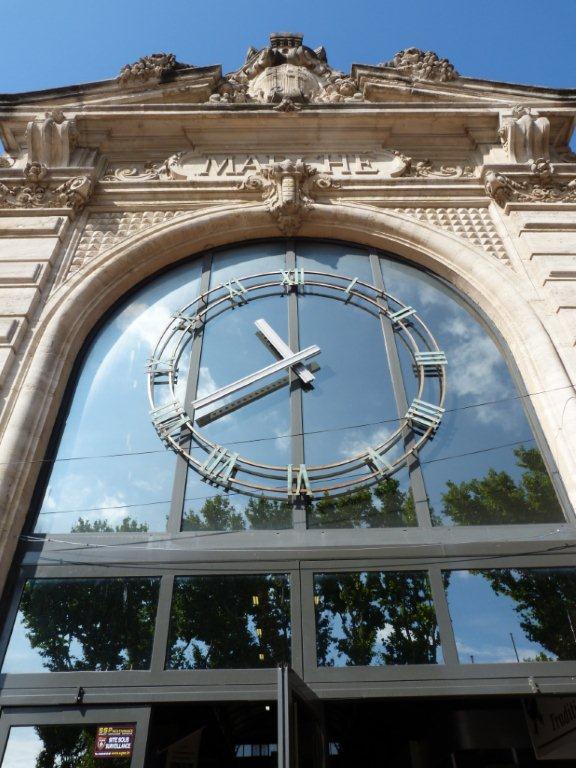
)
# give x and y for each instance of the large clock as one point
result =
(181, 421)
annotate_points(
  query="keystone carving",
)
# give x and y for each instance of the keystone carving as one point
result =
(524, 134)
(288, 191)
(541, 187)
(153, 67)
(422, 65)
(286, 71)
(39, 192)
(51, 139)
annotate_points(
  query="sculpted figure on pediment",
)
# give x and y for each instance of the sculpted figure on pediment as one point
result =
(422, 65)
(149, 68)
(286, 71)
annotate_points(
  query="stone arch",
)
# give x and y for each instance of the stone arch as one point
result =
(76, 307)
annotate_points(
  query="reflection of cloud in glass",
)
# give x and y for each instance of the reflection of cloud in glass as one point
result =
(23, 748)
(355, 441)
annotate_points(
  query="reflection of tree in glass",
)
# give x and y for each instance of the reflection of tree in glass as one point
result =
(91, 624)
(384, 506)
(545, 598)
(128, 525)
(498, 499)
(68, 746)
(229, 622)
(375, 618)
(219, 514)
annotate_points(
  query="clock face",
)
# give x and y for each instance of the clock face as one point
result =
(282, 366)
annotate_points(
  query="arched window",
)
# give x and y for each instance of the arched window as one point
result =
(407, 413)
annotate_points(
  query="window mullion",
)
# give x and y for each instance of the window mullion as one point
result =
(445, 628)
(415, 471)
(181, 471)
(159, 648)
(296, 410)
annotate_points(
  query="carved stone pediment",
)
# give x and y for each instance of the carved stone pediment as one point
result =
(286, 71)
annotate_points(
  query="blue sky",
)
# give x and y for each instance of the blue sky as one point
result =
(60, 42)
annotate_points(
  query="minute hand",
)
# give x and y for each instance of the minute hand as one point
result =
(252, 378)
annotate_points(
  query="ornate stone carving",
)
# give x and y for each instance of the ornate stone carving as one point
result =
(542, 186)
(153, 67)
(39, 192)
(149, 172)
(524, 134)
(286, 71)
(51, 139)
(422, 65)
(287, 189)
(6, 161)
(426, 169)
(287, 105)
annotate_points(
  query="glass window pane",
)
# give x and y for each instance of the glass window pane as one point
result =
(66, 625)
(483, 467)
(513, 614)
(334, 258)
(388, 504)
(54, 746)
(374, 618)
(229, 622)
(111, 471)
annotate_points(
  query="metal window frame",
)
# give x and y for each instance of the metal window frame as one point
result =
(300, 552)
(31, 716)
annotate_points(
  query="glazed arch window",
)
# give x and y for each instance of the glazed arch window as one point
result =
(400, 410)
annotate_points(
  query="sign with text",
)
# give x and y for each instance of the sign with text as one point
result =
(551, 722)
(114, 740)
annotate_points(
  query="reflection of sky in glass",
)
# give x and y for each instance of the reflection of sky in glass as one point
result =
(476, 373)
(110, 415)
(488, 624)
(374, 619)
(351, 405)
(58, 630)
(337, 259)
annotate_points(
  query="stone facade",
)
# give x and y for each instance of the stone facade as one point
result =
(104, 184)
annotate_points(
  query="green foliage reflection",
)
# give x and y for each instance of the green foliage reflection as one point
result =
(236, 621)
(69, 746)
(90, 624)
(372, 618)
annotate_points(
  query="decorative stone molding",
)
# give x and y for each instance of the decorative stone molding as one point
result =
(473, 224)
(103, 230)
(524, 134)
(286, 72)
(51, 139)
(149, 172)
(426, 169)
(38, 191)
(542, 186)
(6, 161)
(148, 68)
(422, 65)
(287, 189)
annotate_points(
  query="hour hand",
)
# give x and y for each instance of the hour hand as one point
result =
(280, 346)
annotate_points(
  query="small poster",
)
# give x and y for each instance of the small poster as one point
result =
(114, 740)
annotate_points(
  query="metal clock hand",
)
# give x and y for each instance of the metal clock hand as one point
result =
(305, 376)
(252, 378)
